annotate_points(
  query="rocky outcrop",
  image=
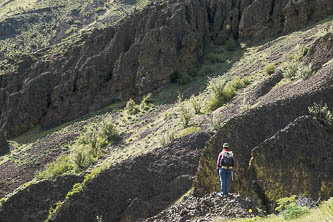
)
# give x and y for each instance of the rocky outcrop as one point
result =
(137, 55)
(320, 52)
(278, 109)
(296, 160)
(33, 202)
(136, 188)
(263, 19)
(140, 187)
(4, 147)
(208, 208)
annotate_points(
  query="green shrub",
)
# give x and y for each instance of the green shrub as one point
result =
(59, 167)
(185, 115)
(269, 69)
(322, 114)
(109, 131)
(283, 202)
(292, 211)
(223, 93)
(294, 68)
(146, 102)
(167, 137)
(82, 157)
(291, 69)
(196, 103)
(304, 71)
(230, 45)
(131, 107)
(88, 148)
(188, 131)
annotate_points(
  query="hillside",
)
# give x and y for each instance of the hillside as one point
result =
(117, 123)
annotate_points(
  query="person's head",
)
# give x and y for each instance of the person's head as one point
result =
(225, 146)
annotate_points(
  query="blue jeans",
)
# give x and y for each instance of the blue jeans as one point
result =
(225, 176)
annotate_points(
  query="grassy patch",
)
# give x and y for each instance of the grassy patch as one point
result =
(323, 213)
(294, 68)
(269, 69)
(187, 131)
(87, 149)
(223, 92)
(322, 114)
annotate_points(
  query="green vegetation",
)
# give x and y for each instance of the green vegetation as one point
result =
(87, 149)
(77, 188)
(132, 108)
(167, 137)
(294, 68)
(187, 131)
(197, 104)
(293, 213)
(223, 92)
(39, 25)
(186, 114)
(269, 69)
(53, 209)
(322, 114)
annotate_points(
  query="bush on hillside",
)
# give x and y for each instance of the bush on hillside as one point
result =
(196, 103)
(292, 211)
(109, 132)
(146, 102)
(223, 92)
(322, 114)
(167, 137)
(294, 68)
(185, 114)
(131, 107)
(269, 69)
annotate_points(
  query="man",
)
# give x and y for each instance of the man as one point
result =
(224, 165)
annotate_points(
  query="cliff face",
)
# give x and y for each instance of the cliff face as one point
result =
(137, 55)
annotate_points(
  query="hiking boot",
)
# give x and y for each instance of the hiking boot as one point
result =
(220, 194)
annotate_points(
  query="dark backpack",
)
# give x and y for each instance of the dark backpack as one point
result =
(227, 161)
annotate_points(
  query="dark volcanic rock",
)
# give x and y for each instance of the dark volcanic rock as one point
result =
(263, 18)
(140, 187)
(320, 52)
(279, 108)
(34, 201)
(137, 55)
(4, 147)
(207, 208)
(298, 159)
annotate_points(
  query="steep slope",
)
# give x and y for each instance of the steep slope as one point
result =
(135, 56)
(260, 116)
(273, 123)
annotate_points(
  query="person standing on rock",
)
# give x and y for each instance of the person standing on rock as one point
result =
(224, 165)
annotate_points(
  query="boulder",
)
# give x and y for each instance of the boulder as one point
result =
(296, 160)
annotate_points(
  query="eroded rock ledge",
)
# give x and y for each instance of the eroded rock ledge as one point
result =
(137, 55)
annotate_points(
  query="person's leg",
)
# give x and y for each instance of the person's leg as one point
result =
(221, 179)
(227, 181)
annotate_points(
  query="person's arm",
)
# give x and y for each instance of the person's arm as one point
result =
(218, 162)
